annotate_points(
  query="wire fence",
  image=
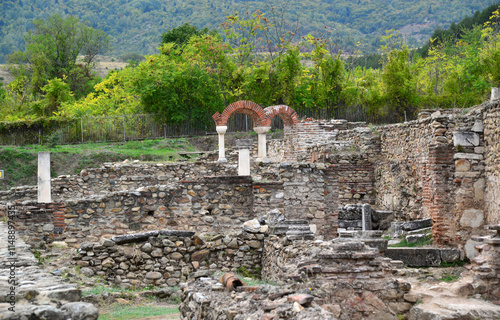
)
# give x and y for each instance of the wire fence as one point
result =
(145, 126)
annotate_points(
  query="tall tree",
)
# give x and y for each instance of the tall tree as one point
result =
(52, 48)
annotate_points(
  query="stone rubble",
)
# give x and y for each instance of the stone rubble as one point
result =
(38, 293)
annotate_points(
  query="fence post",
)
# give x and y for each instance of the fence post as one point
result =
(123, 127)
(81, 126)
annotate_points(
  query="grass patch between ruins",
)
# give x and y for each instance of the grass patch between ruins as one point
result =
(131, 312)
(20, 163)
(419, 243)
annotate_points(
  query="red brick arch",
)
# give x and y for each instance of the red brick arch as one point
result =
(289, 116)
(251, 109)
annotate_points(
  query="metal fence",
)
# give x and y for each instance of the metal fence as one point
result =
(145, 126)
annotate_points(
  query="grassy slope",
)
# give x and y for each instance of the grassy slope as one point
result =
(20, 163)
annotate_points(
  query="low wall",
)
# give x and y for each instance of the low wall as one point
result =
(167, 257)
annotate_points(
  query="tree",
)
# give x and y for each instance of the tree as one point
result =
(52, 48)
(182, 34)
(177, 90)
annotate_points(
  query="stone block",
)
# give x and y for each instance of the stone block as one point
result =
(412, 238)
(472, 218)
(462, 165)
(478, 126)
(416, 257)
(136, 237)
(465, 139)
(71, 295)
(399, 227)
(200, 255)
(80, 310)
(450, 255)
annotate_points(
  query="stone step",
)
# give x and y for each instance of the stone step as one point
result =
(351, 224)
(399, 227)
(423, 257)
(454, 308)
(294, 222)
(360, 233)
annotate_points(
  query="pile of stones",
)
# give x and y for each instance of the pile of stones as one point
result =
(207, 299)
(486, 266)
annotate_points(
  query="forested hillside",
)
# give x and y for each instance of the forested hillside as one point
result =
(137, 25)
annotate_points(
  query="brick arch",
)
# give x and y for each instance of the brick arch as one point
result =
(251, 109)
(289, 116)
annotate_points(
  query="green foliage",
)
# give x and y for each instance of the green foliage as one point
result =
(177, 90)
(398, 85)
(48, 67)
(136, 25)
(181, 35)
(197, 73)
(54, 44)
(243, 271)
(457, 30)
(56, 92)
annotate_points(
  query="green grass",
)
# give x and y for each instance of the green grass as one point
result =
(420, 243)
(446, 277)
(20, 163)
(124, 312)
(98, 290)
(459, 263)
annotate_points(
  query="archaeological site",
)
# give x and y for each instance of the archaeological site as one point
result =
(337, 220)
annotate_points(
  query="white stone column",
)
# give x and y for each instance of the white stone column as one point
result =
(221, 130)
(244, 156)
(495, 94)
(44, 194)
(262, 146)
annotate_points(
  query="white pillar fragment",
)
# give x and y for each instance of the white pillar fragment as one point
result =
(44, 194)
(262, 146)
(495, 94)
(244, 162)
(221, 130)
(244, 156)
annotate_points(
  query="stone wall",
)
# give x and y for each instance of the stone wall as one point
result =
(211, 204)
(120, 177)
(491, 119)
(299, 137)
(166, 257)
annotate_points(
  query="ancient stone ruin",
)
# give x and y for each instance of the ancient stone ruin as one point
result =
(307, 215)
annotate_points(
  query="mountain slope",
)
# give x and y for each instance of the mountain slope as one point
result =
(136, 25)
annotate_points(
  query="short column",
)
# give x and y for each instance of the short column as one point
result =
(262, 146)
(221, 130)
(44, 192)
(495, 94)
(244, 156)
